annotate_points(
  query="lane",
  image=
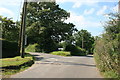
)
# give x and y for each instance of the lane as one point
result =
(53, 66)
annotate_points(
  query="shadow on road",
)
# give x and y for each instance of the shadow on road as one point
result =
(67, 63)
(45, 61)
(79, 64)
(37, 57)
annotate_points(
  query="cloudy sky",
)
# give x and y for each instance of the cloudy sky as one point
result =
(85, 14)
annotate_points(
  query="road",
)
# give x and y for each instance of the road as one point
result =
(53, 66)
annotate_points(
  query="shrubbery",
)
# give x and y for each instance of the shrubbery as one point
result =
(37, 48)
(75, 50)
(107, 49)
(9, 49)
(31, 48)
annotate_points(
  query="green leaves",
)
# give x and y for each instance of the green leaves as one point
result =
(10, 29)
(108, 47)
(45, 23)
(84, 39)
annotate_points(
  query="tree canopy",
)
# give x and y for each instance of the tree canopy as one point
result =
(85, 40)
(10, 29)
(46, 26)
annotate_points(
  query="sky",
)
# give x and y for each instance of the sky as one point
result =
(84, 14)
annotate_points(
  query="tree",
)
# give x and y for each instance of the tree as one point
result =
(112, 27)
(46, 26)
(84, 40)
(10, 29)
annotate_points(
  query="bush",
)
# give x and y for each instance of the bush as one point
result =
(61, 53)
(9, 49)
(107, 55)
(75, 50)
(32, 48)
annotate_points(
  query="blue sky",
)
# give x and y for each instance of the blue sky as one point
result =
(85, 14)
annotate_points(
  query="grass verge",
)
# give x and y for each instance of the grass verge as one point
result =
(14, 65)
(61, 53)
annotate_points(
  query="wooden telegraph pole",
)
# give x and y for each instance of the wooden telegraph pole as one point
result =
(82, 42)
(21, 43)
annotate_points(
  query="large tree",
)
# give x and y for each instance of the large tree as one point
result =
(9, 29)
(46, 26)
(84, 40)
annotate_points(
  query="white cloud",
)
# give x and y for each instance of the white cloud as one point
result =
(78, 20)
(81, 22)
(11, 2)
(6, 11)
(63, 1)
(77, 5)
(87, 12)
(102, 10)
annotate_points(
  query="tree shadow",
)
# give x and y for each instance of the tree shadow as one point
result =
(37, 57)
(67, 63)
(78, 64)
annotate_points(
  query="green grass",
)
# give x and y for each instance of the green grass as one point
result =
(16, 64)
(110, 74)
(61, 53)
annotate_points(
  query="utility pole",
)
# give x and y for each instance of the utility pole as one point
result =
(21, 43)
(82, 42)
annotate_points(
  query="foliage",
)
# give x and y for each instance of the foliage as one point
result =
(61, 53)
(75, 50)
(9, 29)
(9, 49)
(63, 44)
(46, 26)
(31, 48)
(107, 48)
(84, 40)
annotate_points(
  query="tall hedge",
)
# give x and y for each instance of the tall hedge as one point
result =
(107, 49)
(75, 50)
(9, 49)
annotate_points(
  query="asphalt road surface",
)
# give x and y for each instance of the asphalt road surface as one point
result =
(53, 66)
